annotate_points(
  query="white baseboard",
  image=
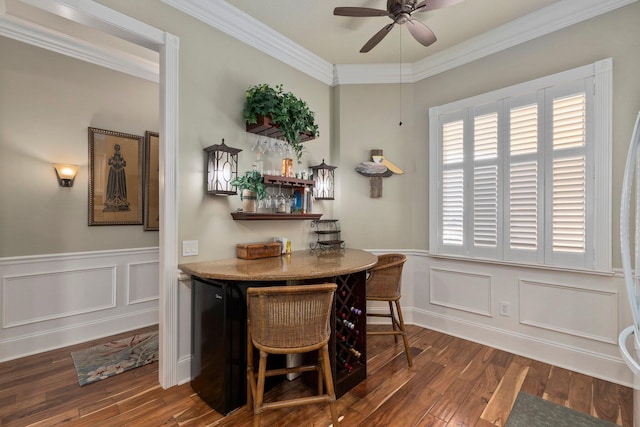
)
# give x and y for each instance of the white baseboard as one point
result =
(575, 359)
(184, 370)
(42, 341)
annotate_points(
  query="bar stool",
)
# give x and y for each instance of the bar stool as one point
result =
(383, 284)
(289, 320)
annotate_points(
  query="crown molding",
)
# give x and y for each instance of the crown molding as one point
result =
(46, 38)
(547, 20)
(234, 22)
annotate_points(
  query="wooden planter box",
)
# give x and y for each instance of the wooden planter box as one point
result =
(267, 128)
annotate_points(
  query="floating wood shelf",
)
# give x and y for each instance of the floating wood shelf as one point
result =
(288, 182)
(267, 128)
(273, 216)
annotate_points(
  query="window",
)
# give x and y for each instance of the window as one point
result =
(523, 174)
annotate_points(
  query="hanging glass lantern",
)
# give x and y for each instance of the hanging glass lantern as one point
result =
(324, 181)
(222, 167)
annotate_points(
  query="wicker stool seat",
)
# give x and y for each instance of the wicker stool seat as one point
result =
(383, 284)
(289, 320)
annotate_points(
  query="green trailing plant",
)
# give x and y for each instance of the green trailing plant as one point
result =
(252, 181)
(289, 113)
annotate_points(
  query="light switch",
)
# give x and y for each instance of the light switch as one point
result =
(189, 247)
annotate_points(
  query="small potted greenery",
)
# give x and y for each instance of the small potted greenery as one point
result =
(252, 189)
(288, 113)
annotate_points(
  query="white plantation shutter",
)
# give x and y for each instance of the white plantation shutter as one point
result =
(453, 183)
(523, 178)
(485, 181)
(513, 172)
(569, 174)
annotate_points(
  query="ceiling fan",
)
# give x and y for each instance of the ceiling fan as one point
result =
(400, 12)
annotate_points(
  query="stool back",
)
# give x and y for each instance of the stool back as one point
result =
(286, 319)
(385, 277)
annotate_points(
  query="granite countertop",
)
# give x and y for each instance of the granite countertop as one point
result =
(298, 265)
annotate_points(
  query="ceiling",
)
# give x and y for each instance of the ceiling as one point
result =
(337, 39)
(307, 36)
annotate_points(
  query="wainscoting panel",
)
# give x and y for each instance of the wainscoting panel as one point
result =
(52, 301)
(32, 298)
(570, 310)
(143, 282)
(460, 290)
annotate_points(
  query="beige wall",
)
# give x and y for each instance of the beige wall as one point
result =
(615, 34)
(47, 102)
(215, 71)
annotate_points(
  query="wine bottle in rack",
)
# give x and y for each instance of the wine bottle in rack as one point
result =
(342, 362)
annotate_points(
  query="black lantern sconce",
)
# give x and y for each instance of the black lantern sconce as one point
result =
(323, 176)
(222, 168)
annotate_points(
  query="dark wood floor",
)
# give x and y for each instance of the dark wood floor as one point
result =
(453, 383)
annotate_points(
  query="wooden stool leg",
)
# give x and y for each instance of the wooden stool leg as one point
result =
(320, 367)
(393, 321)
(404, 334)
(251, 379)
(328, 379)
(262, 369)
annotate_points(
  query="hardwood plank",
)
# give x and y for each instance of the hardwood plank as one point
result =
(625, 402)
(558, 384)
(469, 411)
(580, 392)
(605, 400)
(453, 383)
(498, 409)
(537, 377)
(451, 400)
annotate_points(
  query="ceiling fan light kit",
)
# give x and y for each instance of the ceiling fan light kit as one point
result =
(400, 12)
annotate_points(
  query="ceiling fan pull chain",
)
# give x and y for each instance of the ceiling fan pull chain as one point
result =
(400, 124)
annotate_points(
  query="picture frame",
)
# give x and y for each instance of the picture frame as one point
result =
(151, 183)
(115, 178)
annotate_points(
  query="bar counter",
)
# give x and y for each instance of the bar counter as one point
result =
(218, 322)
(299, 265)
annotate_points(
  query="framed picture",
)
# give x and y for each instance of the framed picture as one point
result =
(151, 186)
(115, 178)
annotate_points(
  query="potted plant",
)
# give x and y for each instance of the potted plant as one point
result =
(252, 189)
(288, 113)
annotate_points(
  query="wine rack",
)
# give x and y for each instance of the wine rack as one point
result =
(348, 343)
(350, 334)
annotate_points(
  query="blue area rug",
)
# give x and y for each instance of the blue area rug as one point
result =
(112, 358)
(532, 411)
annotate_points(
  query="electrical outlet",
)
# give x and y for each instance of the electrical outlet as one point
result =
(189, 248)
(505, 309)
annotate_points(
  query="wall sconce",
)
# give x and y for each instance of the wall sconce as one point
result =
(323, 176)
(66, 174)
(222, 167)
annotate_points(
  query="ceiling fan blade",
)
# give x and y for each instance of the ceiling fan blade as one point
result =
(428, 5)
(373, 41)
(421, 32)
(359, 11)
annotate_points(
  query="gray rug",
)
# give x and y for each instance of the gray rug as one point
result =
(532, 411)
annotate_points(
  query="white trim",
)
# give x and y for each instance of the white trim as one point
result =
(234, 22)
(94, 15)
(562, 355)
(169, 246)
(603, 120)
(46, 38)
(225, 17)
